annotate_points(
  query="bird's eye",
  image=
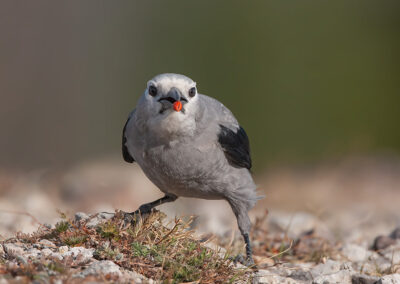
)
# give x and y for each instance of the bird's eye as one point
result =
(192, 92)
(152, 91)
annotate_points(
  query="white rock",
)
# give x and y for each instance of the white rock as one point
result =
(392, 253)
(340, 277)
(301, 275)
(132, 276)
(332, 272)
(99, 218)
(14, 250)
(101, 267)
(56, 256)
(81, 216)
(375, 264)
(63, 249)
(32, 253)
(276, 275)
(273, 279)
(47, 243)
(364, 279)
(391, 279)
(355, 252)
(329, 267)
(46, 252)
(1, 250)
(76, 252)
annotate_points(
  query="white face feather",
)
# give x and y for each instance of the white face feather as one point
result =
(168, 122)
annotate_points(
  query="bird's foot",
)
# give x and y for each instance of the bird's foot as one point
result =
(143, 209)
(142, 212)
(249, 262)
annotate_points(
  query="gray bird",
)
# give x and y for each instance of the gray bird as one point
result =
(190, 145)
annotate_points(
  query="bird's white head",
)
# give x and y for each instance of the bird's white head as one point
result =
(169, 103)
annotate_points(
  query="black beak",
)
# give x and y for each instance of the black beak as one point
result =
(173, 96)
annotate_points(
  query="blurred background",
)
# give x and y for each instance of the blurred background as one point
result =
(314, 83)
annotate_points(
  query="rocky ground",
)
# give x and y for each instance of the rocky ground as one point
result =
(106, 247)
(332, 224)
(111, 247)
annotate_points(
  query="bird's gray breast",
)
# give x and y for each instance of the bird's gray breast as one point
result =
(188, 167)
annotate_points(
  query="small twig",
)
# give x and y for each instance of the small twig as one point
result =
(282, 252)
(141, 264)
(170, 232)
(391, 263)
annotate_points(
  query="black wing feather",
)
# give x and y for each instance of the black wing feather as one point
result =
(125, 153)
(236, 146)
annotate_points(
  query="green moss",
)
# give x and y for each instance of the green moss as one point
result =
(107, 253)
(62, 226)
(139, 250)
(75, 240)
(108, 230)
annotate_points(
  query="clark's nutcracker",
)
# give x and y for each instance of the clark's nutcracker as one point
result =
(190, 145)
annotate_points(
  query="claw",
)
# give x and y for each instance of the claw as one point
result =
(133, 217)
(144, 209)
(249, 262)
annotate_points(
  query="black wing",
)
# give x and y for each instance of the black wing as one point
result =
(125, 153)
(236, 147)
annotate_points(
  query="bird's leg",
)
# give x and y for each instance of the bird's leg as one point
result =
(249, 254)
(147, 207)
(244, 225)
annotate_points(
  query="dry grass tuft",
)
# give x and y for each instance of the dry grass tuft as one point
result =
(279, 248)
(145, 245)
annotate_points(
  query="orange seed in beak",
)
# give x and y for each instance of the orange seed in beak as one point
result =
(177, 106)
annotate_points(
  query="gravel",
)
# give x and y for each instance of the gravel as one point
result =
(356, 263)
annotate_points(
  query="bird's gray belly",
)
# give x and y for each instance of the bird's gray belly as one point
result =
(186, 171)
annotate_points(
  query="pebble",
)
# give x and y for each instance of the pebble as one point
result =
(46, 252)
(382, 242)
(32, 253)
(132, 276)
(13, 249)
(79, 216)
(395, 234)
(101, 267)
(329, 267)
(342, 277)
(355, 252)
(56, 255)
(84, 254)
(99, 218)
(47, 243)
(63, 249)
(392, 253)
(265, 277)
(373, 266)
(363, 262)
(364, 279)
(391, 279)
